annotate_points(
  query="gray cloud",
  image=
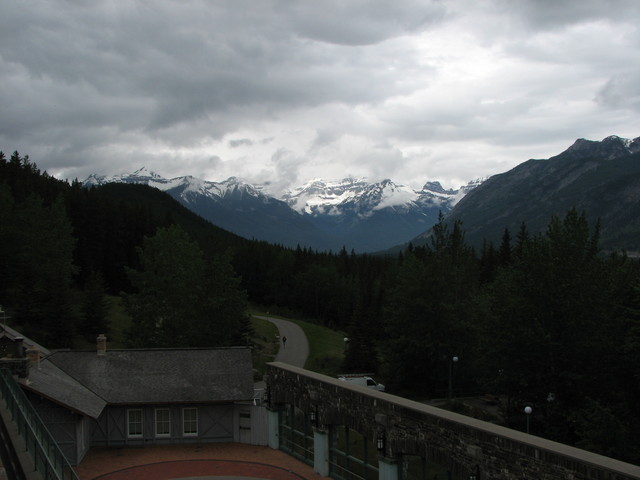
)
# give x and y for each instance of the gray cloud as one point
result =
(548, 14)
(362, 22)
(240, 142)
(284, 90)
(621, 91)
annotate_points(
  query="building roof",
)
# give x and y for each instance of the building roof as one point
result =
(161, 375)
(86, 382)
(12, 334)
(50, 382)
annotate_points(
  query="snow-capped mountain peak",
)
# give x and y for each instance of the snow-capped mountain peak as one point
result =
(388, 194)
(324, 214)
(323, 194)
(355, 196)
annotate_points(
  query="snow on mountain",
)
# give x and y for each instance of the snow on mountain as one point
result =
(316, 197)
(391, 195)
(188, 186)
(319, 197)
(321, 214)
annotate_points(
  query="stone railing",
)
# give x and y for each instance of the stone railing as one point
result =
(471, 448)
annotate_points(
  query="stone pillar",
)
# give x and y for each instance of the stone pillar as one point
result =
(33, 354)
(101, 344)
(321, 452)
(388, 469)
(273, 428)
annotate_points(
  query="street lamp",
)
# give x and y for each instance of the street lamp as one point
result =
(527, 411)
(313, 416)
(381, 442)
(476, 473)
(452, 360)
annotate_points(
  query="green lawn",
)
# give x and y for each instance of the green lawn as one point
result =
(265, 343)
(326, 348)
(119, 323)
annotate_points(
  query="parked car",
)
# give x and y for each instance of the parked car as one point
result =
(362, 380)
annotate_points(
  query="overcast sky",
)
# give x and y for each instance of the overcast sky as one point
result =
(286, 91)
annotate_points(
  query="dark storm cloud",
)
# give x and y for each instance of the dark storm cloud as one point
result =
(361, 22)
(153, 65)
(548, 14)
(290, 88)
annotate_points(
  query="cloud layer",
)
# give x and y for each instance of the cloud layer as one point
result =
(284, 91)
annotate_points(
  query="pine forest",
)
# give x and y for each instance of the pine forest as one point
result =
(548, 320)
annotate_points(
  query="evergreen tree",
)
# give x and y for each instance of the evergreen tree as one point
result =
(94, 308)
(361, 352)
(505, 248)
(546, 322)
(181, 299)
(429, 314)
(43, 270)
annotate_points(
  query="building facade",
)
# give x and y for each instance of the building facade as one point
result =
(134, 397)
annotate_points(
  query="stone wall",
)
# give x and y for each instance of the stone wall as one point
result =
(464, 444)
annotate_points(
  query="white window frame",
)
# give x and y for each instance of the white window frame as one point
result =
(165, 422)
(192, 420)
(131, 422)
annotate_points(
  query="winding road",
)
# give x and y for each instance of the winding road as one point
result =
(296, 349)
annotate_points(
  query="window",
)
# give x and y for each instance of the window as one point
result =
(190, 421)
(163, 422)
(134, 423)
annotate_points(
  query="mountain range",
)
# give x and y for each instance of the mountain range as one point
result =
(323, 215)
(599, 178)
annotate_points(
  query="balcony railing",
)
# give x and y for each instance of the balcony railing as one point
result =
(48, 460)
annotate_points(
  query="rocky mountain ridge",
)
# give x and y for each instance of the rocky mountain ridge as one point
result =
(324, 215)
(601, 178)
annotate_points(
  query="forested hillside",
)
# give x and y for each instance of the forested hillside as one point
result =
(545, 320)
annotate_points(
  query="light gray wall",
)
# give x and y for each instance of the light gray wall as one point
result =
(61, 423)
(252, 424)
(215, 424)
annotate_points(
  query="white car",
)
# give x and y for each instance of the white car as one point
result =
(362, 381)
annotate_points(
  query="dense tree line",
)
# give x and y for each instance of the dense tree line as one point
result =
(548, 321)
(545, 320)
(64, 247)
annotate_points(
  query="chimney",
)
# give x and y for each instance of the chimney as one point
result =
(20, 347)
(33, 354)
(101, 343)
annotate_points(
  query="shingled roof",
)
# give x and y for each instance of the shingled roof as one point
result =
(161, 375)
(50, 382)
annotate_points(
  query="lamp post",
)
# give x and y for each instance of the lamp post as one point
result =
(452, 360)
(527, 411)
(381, 443)
(313, 416)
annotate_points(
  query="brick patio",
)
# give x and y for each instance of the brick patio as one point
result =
(196, 460)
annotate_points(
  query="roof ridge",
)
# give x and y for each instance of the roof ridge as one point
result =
(150, 349)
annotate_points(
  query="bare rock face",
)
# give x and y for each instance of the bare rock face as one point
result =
(601, 179)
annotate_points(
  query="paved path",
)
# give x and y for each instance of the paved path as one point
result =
(296, 350)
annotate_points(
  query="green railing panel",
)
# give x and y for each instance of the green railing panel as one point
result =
(48, 459)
